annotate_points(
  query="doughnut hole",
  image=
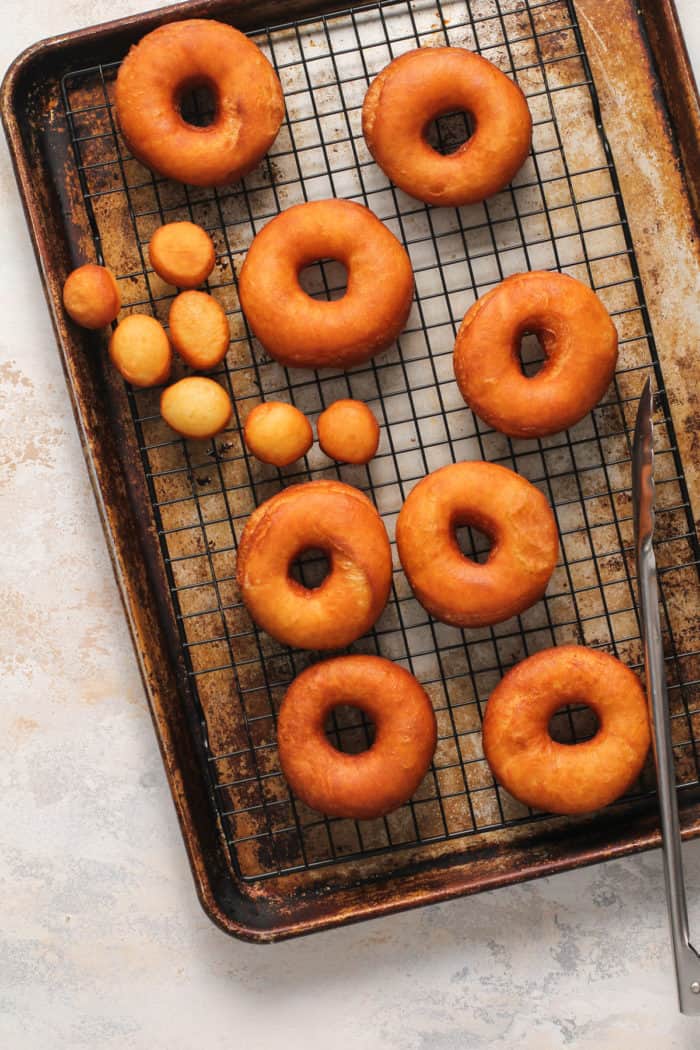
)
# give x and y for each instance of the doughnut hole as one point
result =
(349, 730)
(182, 253)
(348, 431)
(324, 279)
(199, 329)
(197, 104)
(91, 296)
(449, 132)
(310, 568)
(278, 433)
(573, 724)
(531, 354)
(140, 350)
(196, 407)
(473, 543)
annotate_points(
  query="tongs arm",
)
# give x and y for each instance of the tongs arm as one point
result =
(686, 958)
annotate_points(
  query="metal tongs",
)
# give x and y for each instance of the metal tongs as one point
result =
(687, 960)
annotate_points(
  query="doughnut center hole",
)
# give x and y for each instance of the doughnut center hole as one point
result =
(473, 543)
(348, 729)
(197, 105)
(310, 568)
(448, 132)
(573, 724)
(530, 354)
(324, 279)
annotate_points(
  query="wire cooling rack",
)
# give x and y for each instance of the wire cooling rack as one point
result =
(563, 212)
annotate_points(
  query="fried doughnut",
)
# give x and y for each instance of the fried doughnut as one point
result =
(278, 433)
(91, 296)
(348, 431)
(140, 350)
(199, 329)
(377, 780)
(509, 510)
(175, 59)
(303, 332)
(196, 407)
(338, 520)
(182, 253)
(566, 778)
(577, 336)
(423, 84)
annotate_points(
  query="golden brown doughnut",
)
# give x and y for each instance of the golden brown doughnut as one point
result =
(199, 329)
(303, 332)
(338, 520)
(182, 253)
(348, 431)
(196, 407)
(577, 336)
(377, 780)
(421, 85)
(174, 59)
(91, 296)
(278, 433)
(509, 510)
(566, 778)
(140, 350)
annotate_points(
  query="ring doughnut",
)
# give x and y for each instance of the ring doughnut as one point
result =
(306, 333)
(578, 339)
(423, 84)
(337, 519)
(566, 778)
(377, 780)
(509, 510)
(181, 56)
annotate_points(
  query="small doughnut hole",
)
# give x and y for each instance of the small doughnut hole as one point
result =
(326, 279)
(473, 544)
(450, 131)
(197, 106)
(531, 355)
(573, 724)
(310, 568)
(348, 729)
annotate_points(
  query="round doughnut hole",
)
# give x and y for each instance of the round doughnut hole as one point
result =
(348, 729)
(447, 133)
(531, 355)
(573, 724)
(326, 279)
(473, 544)
(197, 105)
(310, 568)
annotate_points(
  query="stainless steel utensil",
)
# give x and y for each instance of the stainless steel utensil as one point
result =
(687, 960)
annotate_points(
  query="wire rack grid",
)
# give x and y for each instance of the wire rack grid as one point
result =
(564, 211)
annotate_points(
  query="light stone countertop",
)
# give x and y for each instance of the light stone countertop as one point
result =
(102, 941)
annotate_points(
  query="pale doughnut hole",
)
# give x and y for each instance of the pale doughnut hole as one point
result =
(140, 350)
(278, 433)
(196, 407)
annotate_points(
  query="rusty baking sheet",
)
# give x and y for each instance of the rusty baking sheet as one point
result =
(265, 866)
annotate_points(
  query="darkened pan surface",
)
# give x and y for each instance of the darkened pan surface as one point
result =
(264, 866)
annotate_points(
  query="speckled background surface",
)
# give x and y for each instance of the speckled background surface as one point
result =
(102, 942)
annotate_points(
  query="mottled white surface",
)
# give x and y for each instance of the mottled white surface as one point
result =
(102, 942)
